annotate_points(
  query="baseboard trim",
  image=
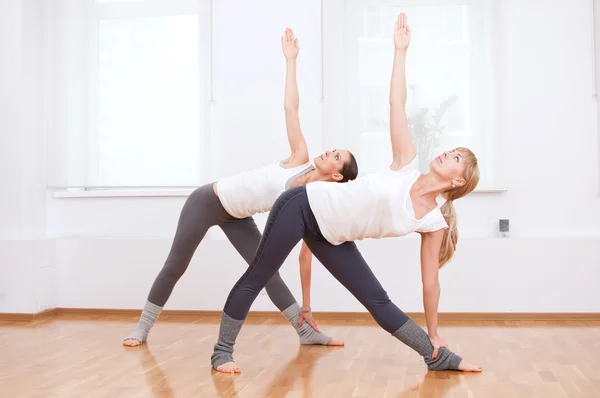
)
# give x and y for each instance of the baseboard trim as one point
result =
(273, 316)
(20, 317)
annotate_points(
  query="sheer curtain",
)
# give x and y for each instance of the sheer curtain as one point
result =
(128, 92)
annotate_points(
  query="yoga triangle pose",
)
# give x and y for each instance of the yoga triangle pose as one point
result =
(391, 203)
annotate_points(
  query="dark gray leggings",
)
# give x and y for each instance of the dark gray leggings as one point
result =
(201, 211)
(291, 220)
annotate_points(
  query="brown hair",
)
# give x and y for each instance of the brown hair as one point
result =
(349, 170)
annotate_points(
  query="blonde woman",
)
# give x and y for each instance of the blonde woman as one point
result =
(391, 203)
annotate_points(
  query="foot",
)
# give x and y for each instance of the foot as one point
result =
(229, 367)
(333, 342)
(309, 336)
(466, 367)
(130, 342)
(136, 338)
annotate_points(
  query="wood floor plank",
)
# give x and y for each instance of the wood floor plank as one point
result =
(76, 356)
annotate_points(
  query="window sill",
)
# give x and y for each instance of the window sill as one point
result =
(495, 190)
(124, 193)
(168, 192)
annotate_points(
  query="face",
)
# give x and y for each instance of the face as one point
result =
(449, 166)
(331, 162)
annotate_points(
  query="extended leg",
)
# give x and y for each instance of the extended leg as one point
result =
(245, 237)
(348, 266)
(284, 229)
(199, 213)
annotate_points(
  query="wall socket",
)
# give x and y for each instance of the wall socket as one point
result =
(504, 227)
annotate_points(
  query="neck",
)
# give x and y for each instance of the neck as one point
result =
(429, 185)
(311, 176)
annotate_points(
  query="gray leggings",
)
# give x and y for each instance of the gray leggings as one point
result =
(201, 211)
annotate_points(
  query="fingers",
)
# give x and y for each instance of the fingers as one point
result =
(312, 323)
(435, 352)
(289, 35)
(402, 23)
(300, 320)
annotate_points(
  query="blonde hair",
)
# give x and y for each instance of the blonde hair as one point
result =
(471, 176)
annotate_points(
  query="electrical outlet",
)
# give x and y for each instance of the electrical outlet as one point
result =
(504, 227)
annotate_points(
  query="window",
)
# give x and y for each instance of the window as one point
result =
(142, 88)
(450, 98)
(596, 59)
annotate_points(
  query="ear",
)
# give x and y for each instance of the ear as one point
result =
(337, 177)
(459, 182)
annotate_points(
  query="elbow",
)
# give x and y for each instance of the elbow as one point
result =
(431, 287)
(304, 261)
(397, 102)
(291, 107)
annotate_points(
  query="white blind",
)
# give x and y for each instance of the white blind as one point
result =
(450, 79)
(128, 102)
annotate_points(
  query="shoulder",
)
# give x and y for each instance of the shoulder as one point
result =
(295, 160)
(433, 222)
(404, 164)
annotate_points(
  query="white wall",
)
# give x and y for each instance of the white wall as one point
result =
(108, 250)
(26, 272)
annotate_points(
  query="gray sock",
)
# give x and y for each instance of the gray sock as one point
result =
(223, 350)
(308, 335)
(147, 319)
(415, 337)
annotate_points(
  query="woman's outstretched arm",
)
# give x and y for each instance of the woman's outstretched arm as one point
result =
(291, 103)
(402, 145)
(305, 280)
(430, 266)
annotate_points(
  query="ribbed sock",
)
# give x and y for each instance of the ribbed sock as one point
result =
(415, 337)
(147, 320)
(308, 335)
(223, 350)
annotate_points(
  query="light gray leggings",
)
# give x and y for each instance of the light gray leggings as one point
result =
(201, 211)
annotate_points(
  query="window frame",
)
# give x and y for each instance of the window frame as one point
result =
(339, 97)
(118, 9)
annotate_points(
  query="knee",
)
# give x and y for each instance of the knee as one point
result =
(376, 304)
(276, 278)
(378, 298)
(274, 284)
(173, 268)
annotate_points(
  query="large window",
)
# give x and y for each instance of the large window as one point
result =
(596, 58)
(142, 90)
(450, 79)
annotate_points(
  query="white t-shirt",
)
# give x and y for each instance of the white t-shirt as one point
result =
(374, 206)
(255, 191)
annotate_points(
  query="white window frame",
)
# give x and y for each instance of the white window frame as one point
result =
(337, 97)
(595, 15)
(144, 8)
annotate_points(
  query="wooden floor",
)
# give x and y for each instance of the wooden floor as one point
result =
(79, 356)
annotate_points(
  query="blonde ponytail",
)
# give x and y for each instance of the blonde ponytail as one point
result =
(471, 176)
(450, 235)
